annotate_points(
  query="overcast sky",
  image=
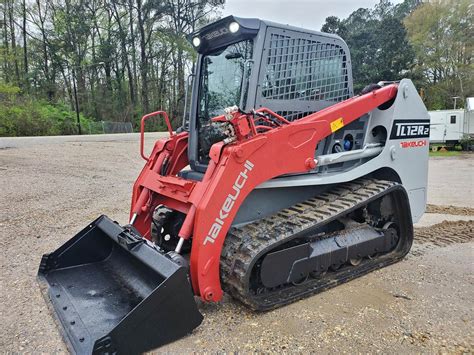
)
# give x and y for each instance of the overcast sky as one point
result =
(309, 14)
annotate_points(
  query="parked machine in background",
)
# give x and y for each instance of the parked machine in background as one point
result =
(280, 184)
(453, 127)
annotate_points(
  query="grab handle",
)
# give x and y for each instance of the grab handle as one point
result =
(142, 129)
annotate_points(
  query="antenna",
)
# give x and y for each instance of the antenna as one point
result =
(455, 100)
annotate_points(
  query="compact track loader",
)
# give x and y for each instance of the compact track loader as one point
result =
(296, 187)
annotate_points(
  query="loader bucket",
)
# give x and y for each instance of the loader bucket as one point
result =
(113, 292)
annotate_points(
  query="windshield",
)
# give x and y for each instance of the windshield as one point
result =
(222, 79)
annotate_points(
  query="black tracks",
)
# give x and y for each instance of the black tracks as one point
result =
(245, 246)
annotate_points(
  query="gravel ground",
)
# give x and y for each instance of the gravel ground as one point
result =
(450, 210)
(451, 181)
(422, 304)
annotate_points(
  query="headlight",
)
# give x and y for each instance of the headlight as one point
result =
(196, 41)
(234, 27)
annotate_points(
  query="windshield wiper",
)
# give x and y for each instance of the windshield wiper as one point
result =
(234, 55)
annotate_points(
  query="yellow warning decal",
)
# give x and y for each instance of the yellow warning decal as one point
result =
(337, 124)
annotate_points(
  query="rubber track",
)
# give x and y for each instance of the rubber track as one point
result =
(247, 244)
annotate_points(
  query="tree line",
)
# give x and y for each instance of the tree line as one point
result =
(124, 58)
(431, 42)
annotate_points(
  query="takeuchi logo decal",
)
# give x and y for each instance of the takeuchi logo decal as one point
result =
(414, 144)
(215, 34)
(228, 204)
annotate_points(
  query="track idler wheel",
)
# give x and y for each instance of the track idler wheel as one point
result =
(301, 280)
(392, 229)
(355, 261)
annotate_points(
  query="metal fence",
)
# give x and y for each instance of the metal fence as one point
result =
(106, 127)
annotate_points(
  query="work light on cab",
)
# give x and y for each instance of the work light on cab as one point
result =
(234, 27)
(196, 41)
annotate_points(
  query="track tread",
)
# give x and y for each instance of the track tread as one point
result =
(247, 243)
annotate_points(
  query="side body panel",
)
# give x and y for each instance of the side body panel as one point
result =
(407, 158)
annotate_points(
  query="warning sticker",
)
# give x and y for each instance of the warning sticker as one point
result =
(337, 124)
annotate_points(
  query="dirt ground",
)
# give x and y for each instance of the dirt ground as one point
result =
(424, 303)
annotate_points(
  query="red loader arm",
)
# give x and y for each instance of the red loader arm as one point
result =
(234, 170)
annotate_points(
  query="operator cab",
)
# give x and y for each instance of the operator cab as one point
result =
(253, 63)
